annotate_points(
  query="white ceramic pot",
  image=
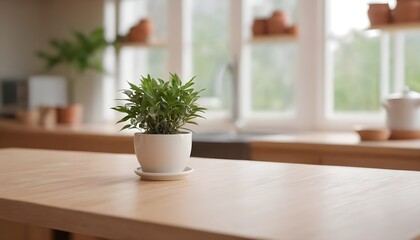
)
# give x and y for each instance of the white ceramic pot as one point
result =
(163, 153)
(403, 111)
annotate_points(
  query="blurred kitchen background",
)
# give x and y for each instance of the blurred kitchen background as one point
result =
(326, 70)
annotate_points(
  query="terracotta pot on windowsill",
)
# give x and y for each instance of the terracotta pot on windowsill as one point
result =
(407, 11)
(292, 30)
(259, 27)
(277, 23)
(379, 14)
(142, 32)
(70, 115)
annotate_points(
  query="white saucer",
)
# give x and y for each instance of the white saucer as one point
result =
(163, 176)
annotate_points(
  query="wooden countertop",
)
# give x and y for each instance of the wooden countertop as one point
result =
(98, 194)
(337, 138)
(339, 142)
(107, 129)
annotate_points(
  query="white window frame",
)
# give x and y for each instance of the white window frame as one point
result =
(180, 58)
(308, 92)
(331, 120)
(313, 86)
(388, 84)
(240, 22)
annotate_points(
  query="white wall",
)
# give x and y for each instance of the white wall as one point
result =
(21, 33)
(60, 16)
(26, 27)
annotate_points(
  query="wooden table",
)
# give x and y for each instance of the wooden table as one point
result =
(98, 194)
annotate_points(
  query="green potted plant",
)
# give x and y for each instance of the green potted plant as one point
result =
(160, 109)
(79, 56)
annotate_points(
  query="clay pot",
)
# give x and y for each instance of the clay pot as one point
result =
(28, 117)
(70, 115)
(292, 30)
(373, 134)
(407, 11)
(277, 23)
(142, 32)
(259, 27)
(379, 14)
(47, 117)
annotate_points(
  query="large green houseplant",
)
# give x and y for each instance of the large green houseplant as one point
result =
(79, 55)
(160, 110)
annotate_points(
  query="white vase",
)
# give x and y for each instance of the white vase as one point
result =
(90, 91)
(163, 153)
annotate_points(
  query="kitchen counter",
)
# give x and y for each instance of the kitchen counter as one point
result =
(91, 138)
(99, 195)
(329, 148)
(341, 141)
(343, 149)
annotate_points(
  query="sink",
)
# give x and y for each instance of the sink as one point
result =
(223, 145)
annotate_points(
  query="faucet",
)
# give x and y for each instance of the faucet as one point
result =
(232, 67)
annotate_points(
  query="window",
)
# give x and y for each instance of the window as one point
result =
(273, 74)
(333, 76)
(355, 58)
(412, 60)
(136, 61)
(210, 51)
(367, 65)
(273, 66)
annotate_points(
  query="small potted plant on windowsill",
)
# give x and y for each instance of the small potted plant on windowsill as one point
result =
(81, 60)
(160, 109)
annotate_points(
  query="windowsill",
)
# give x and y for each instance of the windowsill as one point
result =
(393, 27)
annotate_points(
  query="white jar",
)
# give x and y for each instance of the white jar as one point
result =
(403, 111)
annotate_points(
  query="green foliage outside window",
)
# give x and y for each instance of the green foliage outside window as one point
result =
(412, 60)
(273, 77)
(210, 41)
(357, 73)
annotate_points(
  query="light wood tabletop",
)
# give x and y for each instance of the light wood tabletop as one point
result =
(98, 194)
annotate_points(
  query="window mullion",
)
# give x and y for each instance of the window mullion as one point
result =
(399, 61)
(179, 40)
(385, 65)
(239, 52)
(310, 84)
(117, 26)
